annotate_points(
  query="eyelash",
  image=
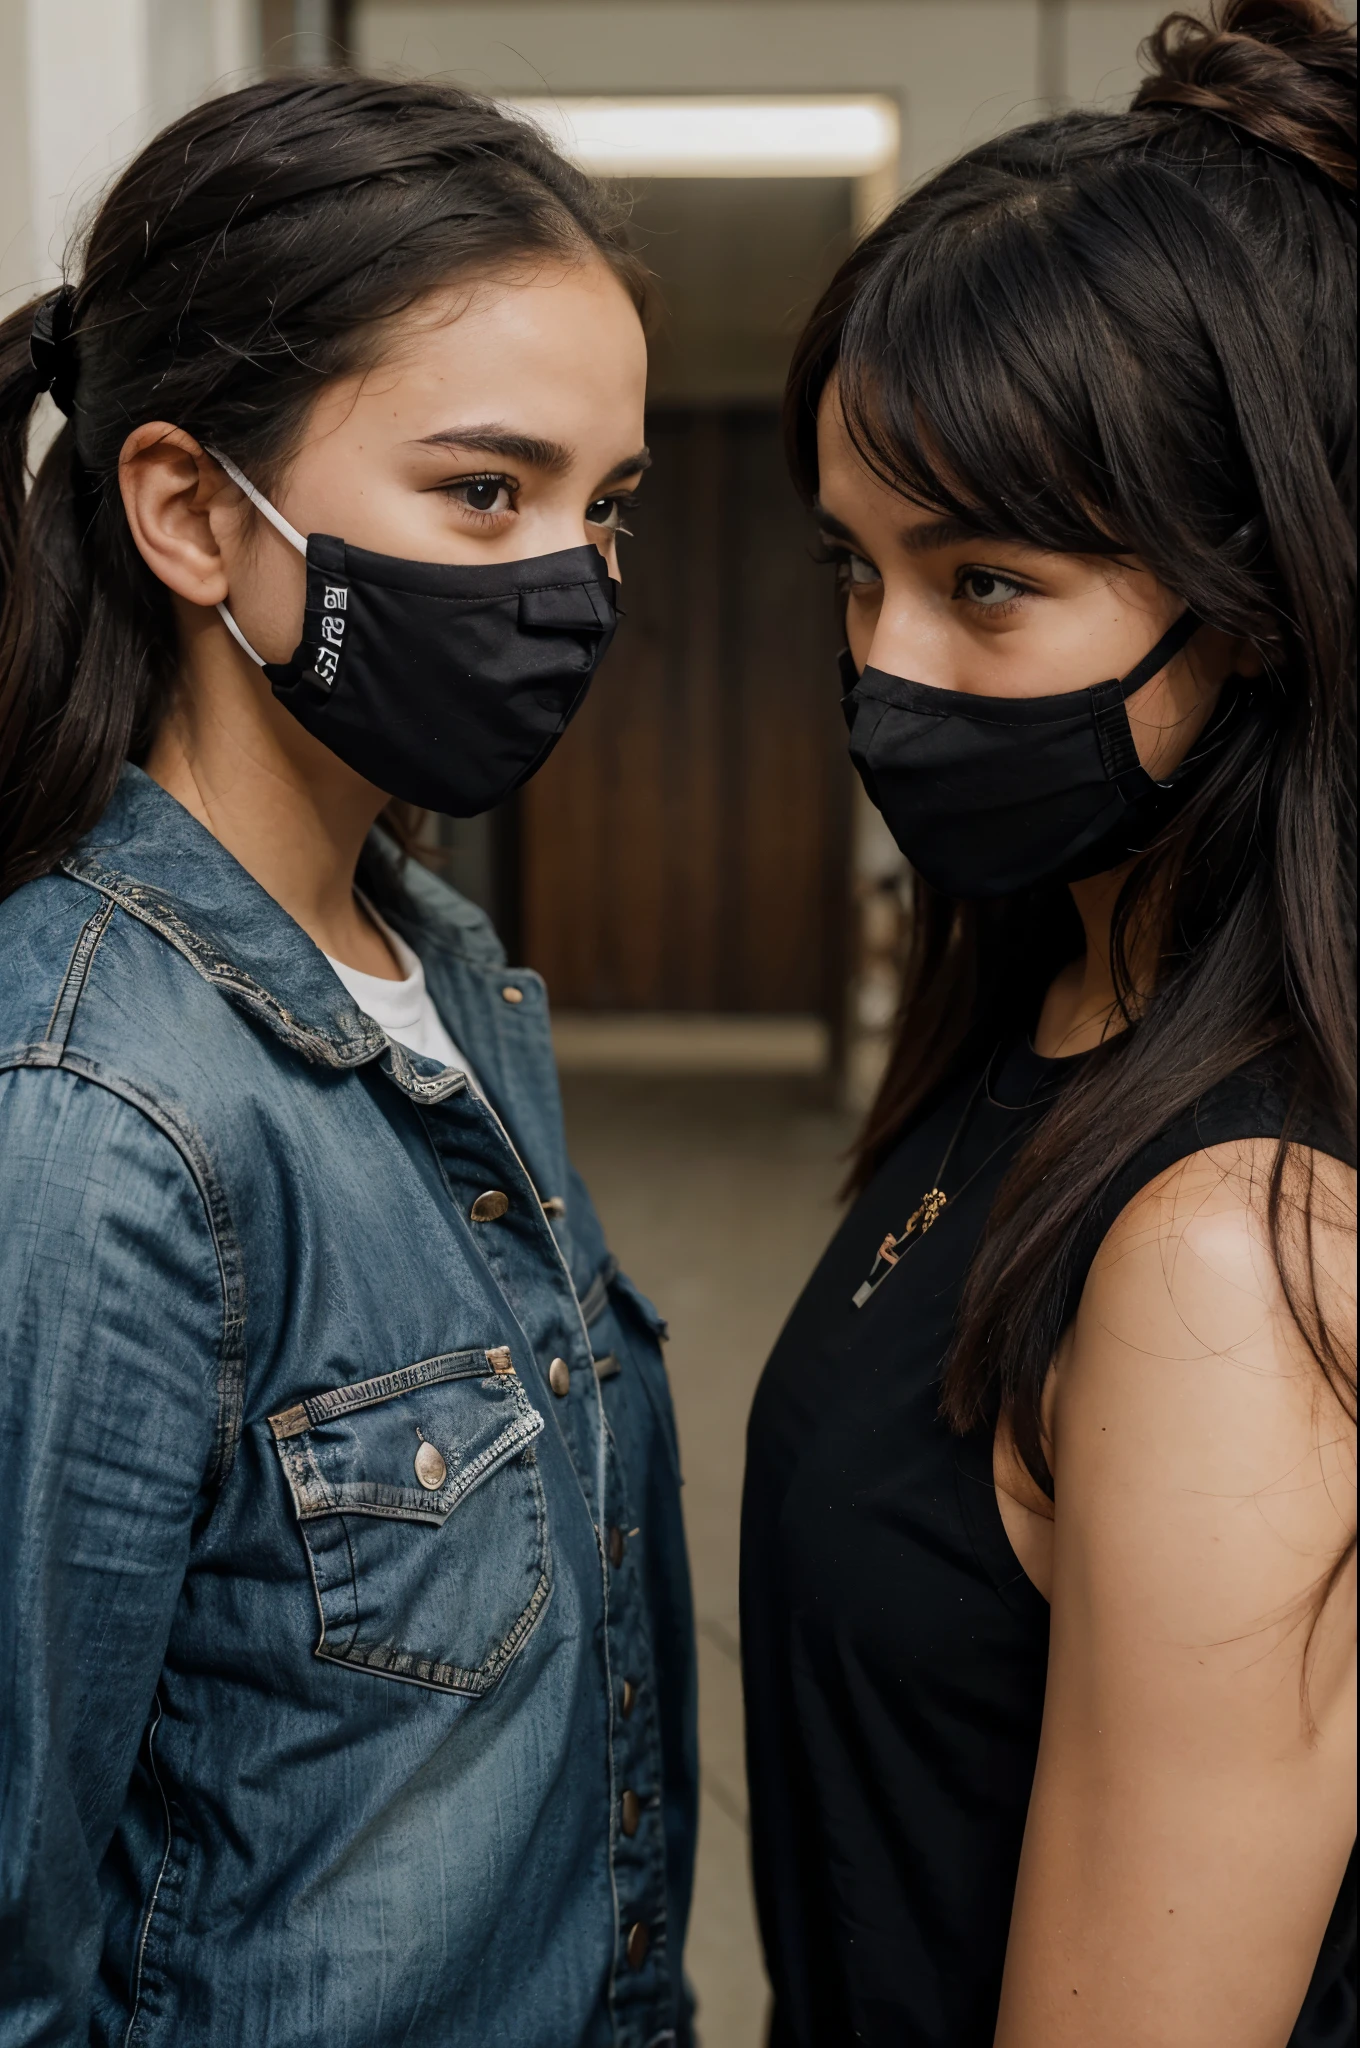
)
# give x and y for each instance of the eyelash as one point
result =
(1006, 605)
(831, 553)
(621, 501)
(840, 557)
(468, 483)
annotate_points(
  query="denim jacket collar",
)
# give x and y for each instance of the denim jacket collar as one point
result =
(161, 866)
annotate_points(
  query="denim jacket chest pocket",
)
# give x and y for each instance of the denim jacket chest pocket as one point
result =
(421, 1507)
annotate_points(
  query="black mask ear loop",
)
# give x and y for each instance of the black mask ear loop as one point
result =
(276, 520)
(1109, 701)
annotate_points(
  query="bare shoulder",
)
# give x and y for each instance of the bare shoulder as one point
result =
(1204, 1459)
(1214, 1205)
(1192, 1272)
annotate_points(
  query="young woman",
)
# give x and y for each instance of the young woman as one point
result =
(348, 1681)
(1048, 1573)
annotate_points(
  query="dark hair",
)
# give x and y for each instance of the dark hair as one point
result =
(1134, 334)
(250, 253)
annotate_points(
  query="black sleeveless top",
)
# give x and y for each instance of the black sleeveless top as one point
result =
(894, 1653)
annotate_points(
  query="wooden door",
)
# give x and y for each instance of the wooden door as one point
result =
(686, 846)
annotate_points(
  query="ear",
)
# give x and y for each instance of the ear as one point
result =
(182, 510)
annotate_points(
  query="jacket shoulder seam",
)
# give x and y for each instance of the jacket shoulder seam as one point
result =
(73, 984)
(180, 1132)
(153, 911)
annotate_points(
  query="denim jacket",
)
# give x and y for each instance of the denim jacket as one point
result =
(345, 1632)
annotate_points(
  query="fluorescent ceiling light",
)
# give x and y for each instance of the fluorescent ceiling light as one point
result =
(722, 138)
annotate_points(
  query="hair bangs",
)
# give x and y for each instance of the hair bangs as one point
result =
(971, 378)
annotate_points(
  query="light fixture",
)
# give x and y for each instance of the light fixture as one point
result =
(832, 136)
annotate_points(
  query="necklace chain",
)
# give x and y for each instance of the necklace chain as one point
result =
(934, 1201)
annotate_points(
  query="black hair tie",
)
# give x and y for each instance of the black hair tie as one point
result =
(51, 345)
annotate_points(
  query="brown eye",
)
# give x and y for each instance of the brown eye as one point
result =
(486, 495)
(987, 588)
(608, 513)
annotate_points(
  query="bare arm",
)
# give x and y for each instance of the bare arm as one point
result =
(1194, 1803)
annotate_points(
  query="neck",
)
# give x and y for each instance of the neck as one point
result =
(284, 806)
(1081, 1009)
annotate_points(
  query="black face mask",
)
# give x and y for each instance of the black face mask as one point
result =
(446, 686)
(988, 795)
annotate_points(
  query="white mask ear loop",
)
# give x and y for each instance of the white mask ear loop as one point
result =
(276, 520)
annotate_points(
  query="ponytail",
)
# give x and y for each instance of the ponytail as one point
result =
(72, 677)
(251, 254)
(20, 388)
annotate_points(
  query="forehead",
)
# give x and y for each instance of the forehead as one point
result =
(532, 297)
(551, 338)
(850, 491)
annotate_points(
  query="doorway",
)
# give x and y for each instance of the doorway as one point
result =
(686, 848)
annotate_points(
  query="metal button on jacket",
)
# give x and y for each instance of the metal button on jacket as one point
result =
(629, 1700)
(490, 1207)
(431, 1470)
(559, 1377)
(639, 1941)
(512, 995)
(630, 1812)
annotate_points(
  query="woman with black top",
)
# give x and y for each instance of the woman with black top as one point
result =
(1048, 1540)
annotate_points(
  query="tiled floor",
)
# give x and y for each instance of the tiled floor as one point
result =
(717, 1194)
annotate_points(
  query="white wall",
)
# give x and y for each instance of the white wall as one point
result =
(82, 84)
(1102, 46)
(15, 261)
(961, 69)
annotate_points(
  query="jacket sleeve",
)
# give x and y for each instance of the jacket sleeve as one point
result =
(111, 1320)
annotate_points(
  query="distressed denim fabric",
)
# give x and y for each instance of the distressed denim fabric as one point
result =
(332, 1631)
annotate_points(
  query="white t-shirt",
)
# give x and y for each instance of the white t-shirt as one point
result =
(403, 1009)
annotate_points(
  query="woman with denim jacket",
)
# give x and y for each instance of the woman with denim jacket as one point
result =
(348, 1672)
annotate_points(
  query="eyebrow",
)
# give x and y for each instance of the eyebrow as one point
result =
(829, 522)
(940, 533)
(552, 457)
(916, 540)
(632, 465)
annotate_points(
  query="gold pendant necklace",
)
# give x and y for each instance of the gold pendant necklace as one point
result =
(890, 1251)
(892, 1248)
(931, 1205)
